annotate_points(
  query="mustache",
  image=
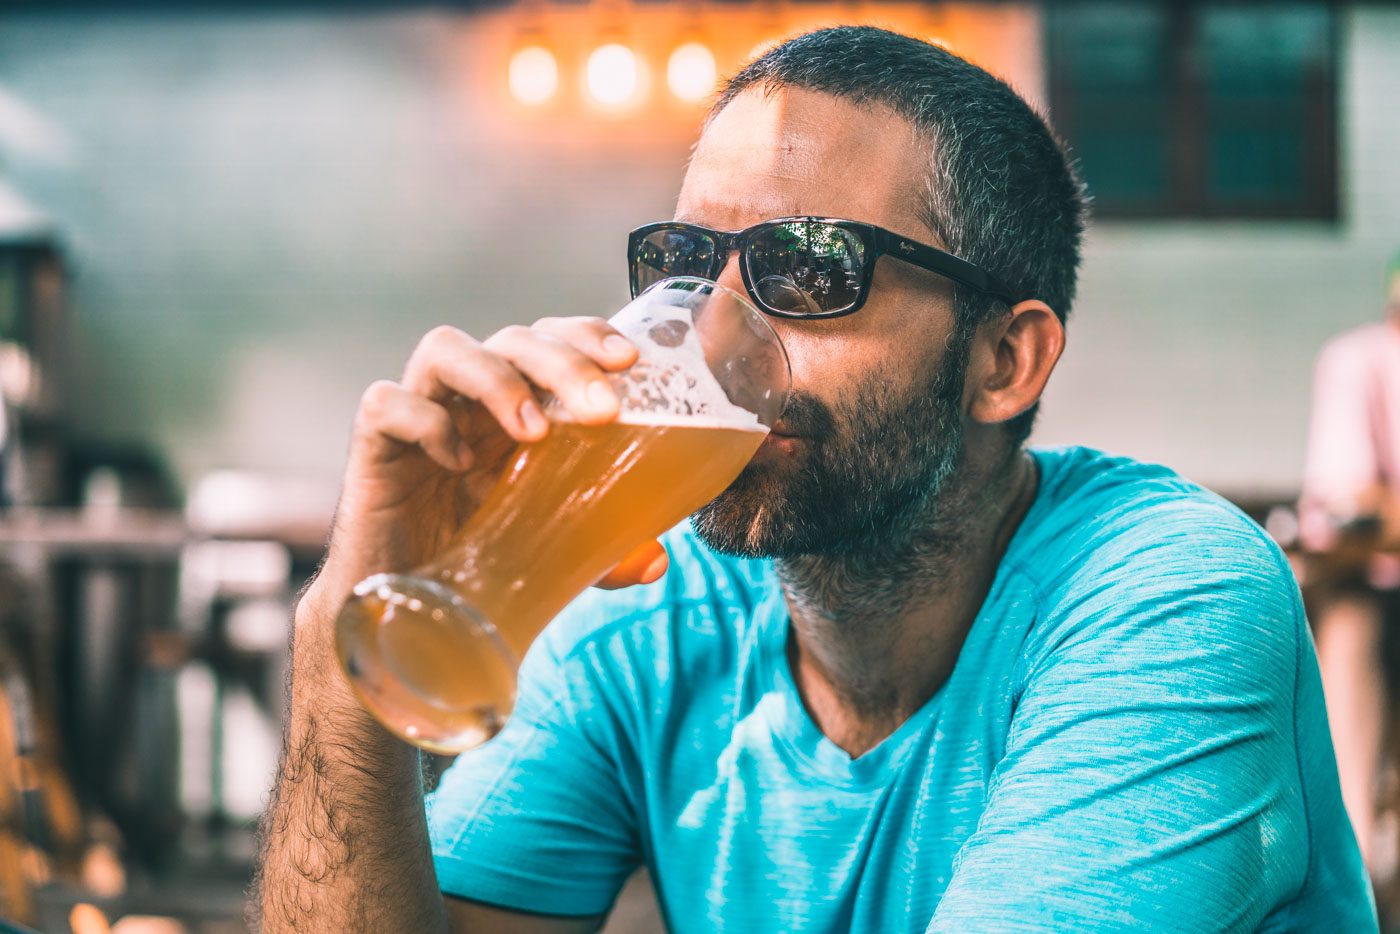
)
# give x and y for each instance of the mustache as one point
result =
(807, 416)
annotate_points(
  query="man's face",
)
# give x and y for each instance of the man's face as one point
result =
(876, 409)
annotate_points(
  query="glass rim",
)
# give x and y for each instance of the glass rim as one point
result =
(746, 304)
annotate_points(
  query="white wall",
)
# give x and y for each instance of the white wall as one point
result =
(1192, 343)
(266, 212)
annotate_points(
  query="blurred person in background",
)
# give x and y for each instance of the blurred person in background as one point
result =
(905, 674)
(1350, 509)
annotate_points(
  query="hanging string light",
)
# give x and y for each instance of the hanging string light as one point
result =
(611, 55)
(691, 72)
(534, 75)
(613, 75)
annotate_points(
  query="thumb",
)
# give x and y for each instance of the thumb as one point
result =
(643, 564)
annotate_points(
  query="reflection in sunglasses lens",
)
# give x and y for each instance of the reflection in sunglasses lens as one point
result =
(666, 253)
(798, 267)
(805, 267)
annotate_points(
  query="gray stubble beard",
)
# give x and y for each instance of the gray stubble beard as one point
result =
(878, 508)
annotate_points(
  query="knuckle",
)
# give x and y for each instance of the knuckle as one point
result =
(441, 341)
(376, 397)
(512, 334)
(441, 334)
(595, 323)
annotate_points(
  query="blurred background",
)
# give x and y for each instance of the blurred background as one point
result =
(220, 221)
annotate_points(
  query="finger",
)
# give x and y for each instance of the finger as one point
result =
(595, 337)
(391, 415)
(557, 366)
(448, 362)
(643, 565)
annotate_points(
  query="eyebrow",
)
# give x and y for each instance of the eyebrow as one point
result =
(723, 209)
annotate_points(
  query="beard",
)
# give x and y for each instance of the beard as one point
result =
(871, 476)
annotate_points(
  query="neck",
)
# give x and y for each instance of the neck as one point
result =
(876, 630)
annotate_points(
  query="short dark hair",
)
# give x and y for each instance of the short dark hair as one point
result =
(1002, 192)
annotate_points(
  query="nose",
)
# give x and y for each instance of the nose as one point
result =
(791, 336)
(731, 278)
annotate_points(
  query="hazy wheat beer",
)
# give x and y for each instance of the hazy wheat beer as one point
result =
(433, 653)
(566, 511)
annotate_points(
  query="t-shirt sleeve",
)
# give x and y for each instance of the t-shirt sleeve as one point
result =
(1151, 778)
(541, 817)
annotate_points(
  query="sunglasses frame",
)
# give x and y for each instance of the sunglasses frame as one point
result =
(875, 241)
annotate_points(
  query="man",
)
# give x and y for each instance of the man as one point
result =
(903, 675)
(1351, 497)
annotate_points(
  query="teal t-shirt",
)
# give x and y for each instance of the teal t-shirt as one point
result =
(1133, 737)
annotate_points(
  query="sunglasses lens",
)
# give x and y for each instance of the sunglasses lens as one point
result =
(664, 253)
(806, 267)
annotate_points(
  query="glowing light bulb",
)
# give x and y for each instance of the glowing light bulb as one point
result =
(534, 75)
(691, 72)
(613, 74)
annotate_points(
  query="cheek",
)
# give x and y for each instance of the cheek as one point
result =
(892, 344)
(914, 311)
(821, 363)
(837, 371)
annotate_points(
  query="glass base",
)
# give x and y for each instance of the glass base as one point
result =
(424, 663)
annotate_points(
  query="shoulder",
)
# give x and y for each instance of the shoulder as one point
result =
(1100, 512)
(1351, 347)
(1122, 550)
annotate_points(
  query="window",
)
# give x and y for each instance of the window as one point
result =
(1205, 110)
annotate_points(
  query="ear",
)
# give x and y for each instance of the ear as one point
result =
(1015, 355)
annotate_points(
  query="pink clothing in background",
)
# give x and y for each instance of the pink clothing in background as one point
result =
(1353, 436)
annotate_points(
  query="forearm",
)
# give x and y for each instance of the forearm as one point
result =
(345, 841)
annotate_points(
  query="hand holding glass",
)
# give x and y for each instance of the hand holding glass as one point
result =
(433, 653)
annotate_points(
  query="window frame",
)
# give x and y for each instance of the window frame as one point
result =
(1186, 196)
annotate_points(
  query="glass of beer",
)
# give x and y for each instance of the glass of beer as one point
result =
(433, 653)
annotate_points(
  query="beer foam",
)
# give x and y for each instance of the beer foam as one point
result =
(670, 420)
(672, 382)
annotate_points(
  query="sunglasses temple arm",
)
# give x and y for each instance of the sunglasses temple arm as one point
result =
(943, 263)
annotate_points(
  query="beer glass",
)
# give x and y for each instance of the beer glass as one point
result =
(433, 653)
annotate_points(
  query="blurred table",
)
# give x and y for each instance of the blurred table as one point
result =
(109, 605)
(1348, 560)
(137, 532)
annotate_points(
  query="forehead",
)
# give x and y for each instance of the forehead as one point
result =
(793, 151)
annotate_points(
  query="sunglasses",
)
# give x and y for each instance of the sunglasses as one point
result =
(793, 267)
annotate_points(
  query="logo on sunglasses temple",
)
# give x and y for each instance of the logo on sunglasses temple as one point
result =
(905, 248)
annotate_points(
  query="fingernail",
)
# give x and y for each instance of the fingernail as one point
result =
(601, 396)
(617, 345)
(655, 569)
(532, 417)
